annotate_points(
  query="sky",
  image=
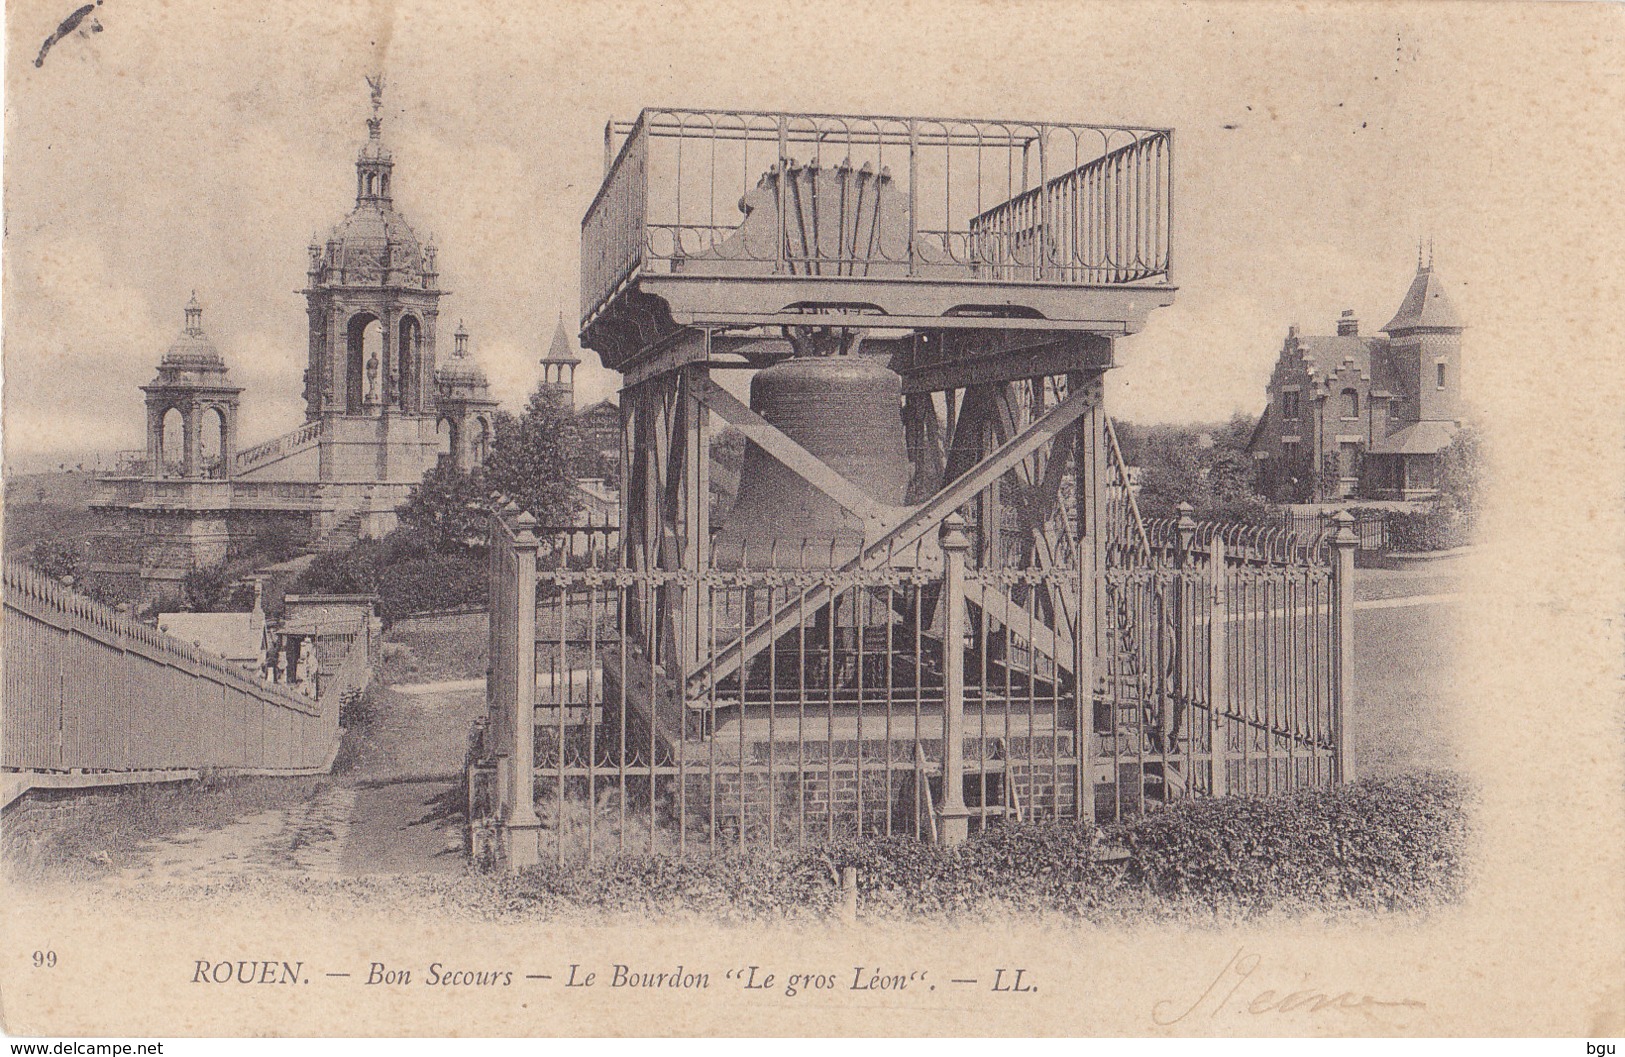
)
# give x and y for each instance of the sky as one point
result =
(194, 145)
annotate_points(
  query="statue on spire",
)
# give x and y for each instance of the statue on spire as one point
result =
(374, 123)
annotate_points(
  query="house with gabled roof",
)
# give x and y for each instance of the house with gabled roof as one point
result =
(1354, 415)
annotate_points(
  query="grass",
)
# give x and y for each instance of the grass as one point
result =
(109, 830)
(1378, 846)
(1399, 720)
(432, 656)
(392, 735)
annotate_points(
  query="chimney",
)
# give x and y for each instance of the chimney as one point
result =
(1347, 325)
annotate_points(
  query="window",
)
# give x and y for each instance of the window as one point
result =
(1441, 374)
(1289, 404)
(1351, 403)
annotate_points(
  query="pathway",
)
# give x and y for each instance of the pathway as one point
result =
(396, 809)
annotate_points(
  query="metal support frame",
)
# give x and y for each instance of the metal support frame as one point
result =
(906, 533)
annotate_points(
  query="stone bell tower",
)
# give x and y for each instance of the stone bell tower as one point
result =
(373, 299)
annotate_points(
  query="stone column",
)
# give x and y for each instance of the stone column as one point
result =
(523, 827)
(155, 441)
(192, 431)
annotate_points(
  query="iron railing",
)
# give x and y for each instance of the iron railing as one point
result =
(1217, 675)
(1370, 528)
(863, 197)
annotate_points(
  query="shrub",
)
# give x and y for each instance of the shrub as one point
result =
(210, 590)
(350, 572)
(437, 582)
(1384, 844)
(1438, 529)
(1377, 844)
(57, 558)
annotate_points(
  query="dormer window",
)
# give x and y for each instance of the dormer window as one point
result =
(1289, 404)
(1351, 403)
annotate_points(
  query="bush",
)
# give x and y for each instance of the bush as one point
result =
(210, 590)
(57, 558)
(1382, 844)
(406, 572)
(350, 572)
(1377, 844)
(1438, 529)
(436, 582)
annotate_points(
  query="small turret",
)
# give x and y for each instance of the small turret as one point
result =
(559, 367)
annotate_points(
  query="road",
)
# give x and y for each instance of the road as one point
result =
(1406, 624)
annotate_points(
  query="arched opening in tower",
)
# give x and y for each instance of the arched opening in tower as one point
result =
(212, 442)
(482, 442)
(363, 361)
(409, 358)
(446, 439)
(172, 444)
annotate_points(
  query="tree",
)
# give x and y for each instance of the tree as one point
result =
(448, 508)
(57, 558)
(532, 458)
(1205, 465)
(1461, 471)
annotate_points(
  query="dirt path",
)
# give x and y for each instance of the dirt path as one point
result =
(306, 839)
(396, 809)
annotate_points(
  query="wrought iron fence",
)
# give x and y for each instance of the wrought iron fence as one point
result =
(612, 729)
(1246, 656)
(865, 196)
(1370, 529)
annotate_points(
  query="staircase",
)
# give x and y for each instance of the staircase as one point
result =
(342, 536)
(1128, 709)
(276, 449)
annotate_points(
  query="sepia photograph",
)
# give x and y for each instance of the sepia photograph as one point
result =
(1066, 519)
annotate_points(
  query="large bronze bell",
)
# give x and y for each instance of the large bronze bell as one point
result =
(846, 411)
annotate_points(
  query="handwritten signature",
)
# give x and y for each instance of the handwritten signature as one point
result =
(1221, 995)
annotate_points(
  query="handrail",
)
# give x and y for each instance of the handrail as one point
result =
(287, 444)
(1122, 475)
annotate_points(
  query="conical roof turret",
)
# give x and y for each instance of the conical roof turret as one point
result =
(559, 351)
(1426, 307)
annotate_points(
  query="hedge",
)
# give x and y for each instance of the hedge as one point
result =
(1393, 843)
(1435, 530)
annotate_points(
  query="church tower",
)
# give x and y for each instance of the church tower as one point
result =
(373, 298)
